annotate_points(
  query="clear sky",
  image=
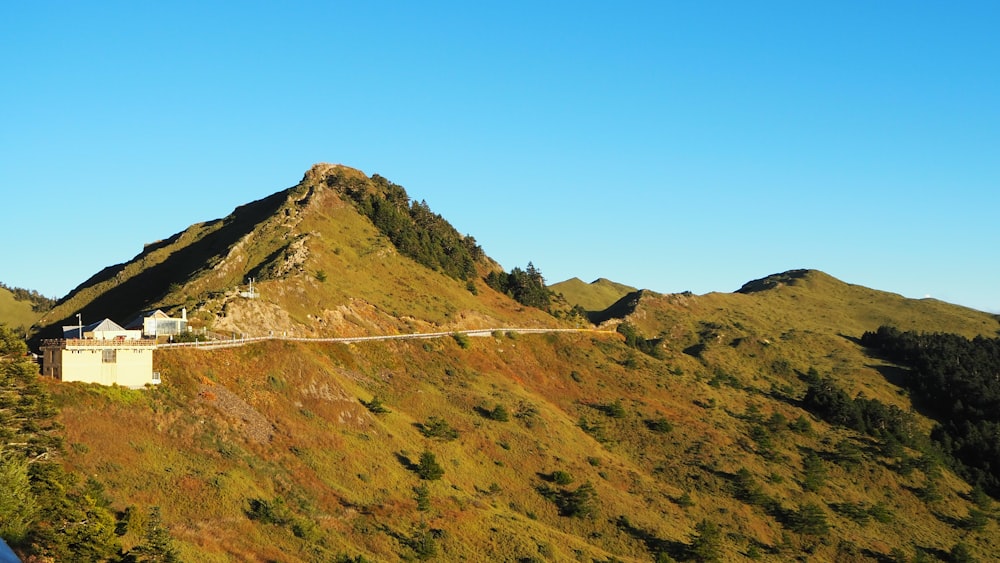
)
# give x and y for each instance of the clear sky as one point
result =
(666, 145)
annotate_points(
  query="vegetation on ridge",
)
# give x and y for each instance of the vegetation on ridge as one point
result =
(956, 381)
(411, 226)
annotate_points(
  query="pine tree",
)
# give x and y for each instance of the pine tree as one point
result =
(156, 544)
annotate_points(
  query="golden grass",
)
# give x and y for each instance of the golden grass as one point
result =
(343, 469)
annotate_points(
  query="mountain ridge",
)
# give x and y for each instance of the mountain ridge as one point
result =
(304, 240)
(590, 445)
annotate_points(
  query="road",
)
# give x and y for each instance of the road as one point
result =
(215, 344)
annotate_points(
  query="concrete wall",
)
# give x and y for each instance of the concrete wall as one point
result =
(129, 366)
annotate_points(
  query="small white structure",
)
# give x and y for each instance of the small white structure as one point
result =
(157, 323)
(250, 293)
(102, 352)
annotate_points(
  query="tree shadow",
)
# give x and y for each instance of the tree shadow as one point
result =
(406, 462)
(674, 549)
(849, 338)
(893, 374)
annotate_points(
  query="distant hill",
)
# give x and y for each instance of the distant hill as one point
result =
(597, 295)
(21, 307)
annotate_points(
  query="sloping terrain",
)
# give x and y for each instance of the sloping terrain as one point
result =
(16, 312)
(595, 296)
(321, 268)
(704, 431)
(553, 447)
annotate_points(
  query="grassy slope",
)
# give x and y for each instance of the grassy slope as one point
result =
(289, 241)
(344, 471)
(597, 295)
(15, 313)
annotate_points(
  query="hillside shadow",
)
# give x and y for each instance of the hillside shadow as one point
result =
(893, 374)
(618, 310)
(127, 299)
(675, 549)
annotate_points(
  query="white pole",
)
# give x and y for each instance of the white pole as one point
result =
(79, 322)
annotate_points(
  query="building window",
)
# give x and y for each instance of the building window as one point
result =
(110, 356)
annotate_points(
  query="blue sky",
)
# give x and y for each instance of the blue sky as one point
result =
(667, 145)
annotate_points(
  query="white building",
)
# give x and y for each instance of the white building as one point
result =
(102, 352)
(157, 323)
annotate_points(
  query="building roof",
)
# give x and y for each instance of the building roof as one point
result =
(106, 325)
(138, 321)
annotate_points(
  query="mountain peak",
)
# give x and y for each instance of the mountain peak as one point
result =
(790, 277)
(321, 170)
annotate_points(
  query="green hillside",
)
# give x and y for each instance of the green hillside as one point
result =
(553, 447)
(20, 308)
(15, 313)
(702, 430)
(597, 295)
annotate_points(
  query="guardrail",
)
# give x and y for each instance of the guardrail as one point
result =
(213, 344)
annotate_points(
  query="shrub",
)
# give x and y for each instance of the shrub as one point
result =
(428, 468)
(707, 545)
(561, 477)
(423, 497)
(438, 428)
(814, 472)
(854, 511)
(660, 425)
(615, 409)
(461, 339)
(685, 501)
(375, 405)
(269, 512)
(527, 414)
(809, 520)
(849, 455)
(499, 413)
(960, 553)
(579, 503)
(880, 513)
(422, 542)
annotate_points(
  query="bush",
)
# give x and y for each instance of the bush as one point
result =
(814, 472)
(615, 409)
(428, 468)
(461, 339)
(561, 477)
(707, 545)
(660, 425)
(801, 425)
(422, 542)
(809, 520)
(375, 405)
(438, 428)
(423, 497)
(579, 503)
(499, 413)
(269, 512)
(880, 513)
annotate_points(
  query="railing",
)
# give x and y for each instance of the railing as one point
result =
(110, 343)
(240, 341)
